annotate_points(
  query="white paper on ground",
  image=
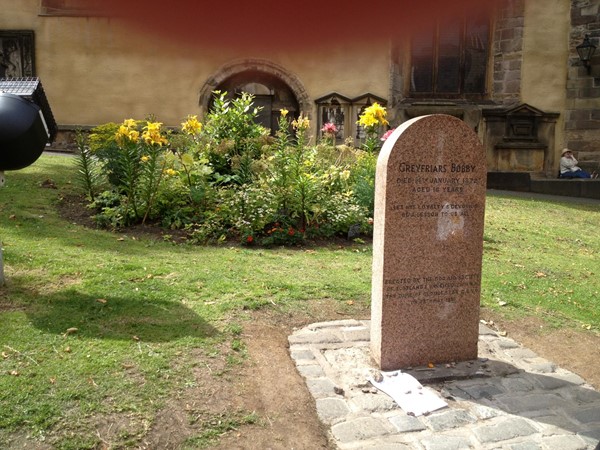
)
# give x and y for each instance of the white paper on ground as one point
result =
(408, 393)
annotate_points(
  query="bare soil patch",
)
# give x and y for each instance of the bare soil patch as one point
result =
(266, 385)
(269, 385)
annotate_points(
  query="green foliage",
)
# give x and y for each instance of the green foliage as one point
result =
(232, 137)
(310, 187)
(112, 212)
(133, 156)
(88, 167)
(152, 170)
(104, 146)
(227, 179)
(363, 181)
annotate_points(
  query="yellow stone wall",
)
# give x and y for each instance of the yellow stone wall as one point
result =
(545, 61)
(96, 70)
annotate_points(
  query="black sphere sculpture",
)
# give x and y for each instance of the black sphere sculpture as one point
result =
(23, 132)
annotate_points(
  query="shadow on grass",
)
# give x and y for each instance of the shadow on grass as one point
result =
(115, 318)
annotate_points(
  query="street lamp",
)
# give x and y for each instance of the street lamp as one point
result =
(586, 50)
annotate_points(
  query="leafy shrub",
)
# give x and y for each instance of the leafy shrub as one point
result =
(133, 157)
(232, 137)
(227, 179)
(363, 181)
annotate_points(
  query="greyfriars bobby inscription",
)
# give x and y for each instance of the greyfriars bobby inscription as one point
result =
(427, 244)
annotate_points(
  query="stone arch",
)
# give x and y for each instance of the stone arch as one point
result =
(257, 66)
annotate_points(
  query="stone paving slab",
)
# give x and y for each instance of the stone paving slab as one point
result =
(507, 399)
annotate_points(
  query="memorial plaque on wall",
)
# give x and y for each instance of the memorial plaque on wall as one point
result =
(16, 54)
(427, 244)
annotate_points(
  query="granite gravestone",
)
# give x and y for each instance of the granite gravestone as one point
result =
(427, 244)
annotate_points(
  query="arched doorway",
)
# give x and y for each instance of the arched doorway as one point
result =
(273, 88)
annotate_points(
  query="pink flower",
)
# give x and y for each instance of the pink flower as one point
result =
(329, 128)
(387, 134)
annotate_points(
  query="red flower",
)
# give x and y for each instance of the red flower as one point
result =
(291, 231)
(329, 128)
(249, 239)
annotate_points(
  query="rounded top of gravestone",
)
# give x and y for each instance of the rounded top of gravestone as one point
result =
(441, 130)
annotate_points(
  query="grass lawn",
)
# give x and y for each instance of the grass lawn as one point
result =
(542, 258)
(95, 324)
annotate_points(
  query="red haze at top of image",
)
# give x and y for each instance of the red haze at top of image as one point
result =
(286, 25)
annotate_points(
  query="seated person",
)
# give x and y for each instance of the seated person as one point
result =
(569, 167)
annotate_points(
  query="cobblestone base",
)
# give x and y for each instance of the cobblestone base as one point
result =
(510, 398)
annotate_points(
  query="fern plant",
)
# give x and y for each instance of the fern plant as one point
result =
(89, 175)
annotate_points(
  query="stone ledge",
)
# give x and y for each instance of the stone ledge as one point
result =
(526, 182)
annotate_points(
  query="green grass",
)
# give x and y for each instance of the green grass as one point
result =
(146, 312)
(542, 258)
(139, 306)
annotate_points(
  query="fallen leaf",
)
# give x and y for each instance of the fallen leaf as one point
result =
(431, 365)
(135, 338)
(71, 331)
(350, 302)
(52, 380)
(502, 303)
(68, 350)
(102, 300)
(120, 239)
(502, 333)
(14, 373)
(48, 183)
(540, 275)
(4, 355)
(12, 217)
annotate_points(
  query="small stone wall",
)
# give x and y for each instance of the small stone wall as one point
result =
(524, 182)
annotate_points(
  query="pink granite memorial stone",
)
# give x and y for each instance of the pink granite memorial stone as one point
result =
(427, 244)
